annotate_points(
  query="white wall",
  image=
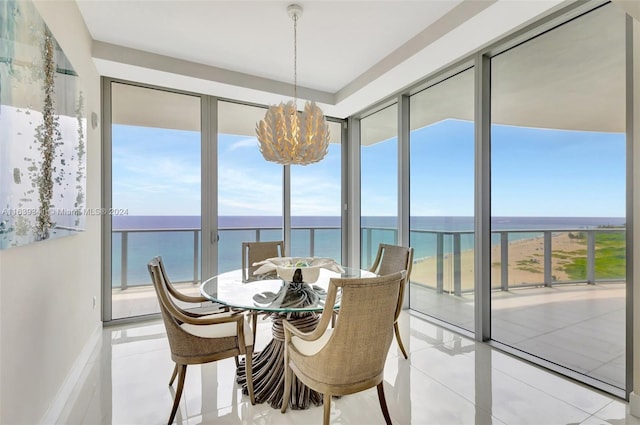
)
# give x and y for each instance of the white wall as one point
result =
(46, 289)
(631, 7)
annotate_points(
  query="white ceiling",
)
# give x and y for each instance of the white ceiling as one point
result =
(351, 54)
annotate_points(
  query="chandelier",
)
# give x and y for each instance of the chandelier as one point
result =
(287, 136)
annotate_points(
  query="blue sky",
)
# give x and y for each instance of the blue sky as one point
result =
(535, 172)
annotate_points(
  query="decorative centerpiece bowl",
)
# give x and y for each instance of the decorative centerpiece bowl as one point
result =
(309, 273)
(297, 269)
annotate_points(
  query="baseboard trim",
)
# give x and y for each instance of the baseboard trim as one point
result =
(52, 416)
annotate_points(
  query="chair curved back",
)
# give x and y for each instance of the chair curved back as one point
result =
(354, 356)
(252, 252)
(174, 292)
(392, 259)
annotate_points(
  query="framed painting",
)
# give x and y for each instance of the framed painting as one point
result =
(42, 132)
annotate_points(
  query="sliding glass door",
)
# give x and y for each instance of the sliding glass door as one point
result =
(442, 200)
(251, 192)
(249, 189)
(558, 196)
(378, 182)
(155, 194)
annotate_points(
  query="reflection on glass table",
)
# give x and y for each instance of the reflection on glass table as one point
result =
(297, 302)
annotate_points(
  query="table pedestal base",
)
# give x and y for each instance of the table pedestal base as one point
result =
(268, 367)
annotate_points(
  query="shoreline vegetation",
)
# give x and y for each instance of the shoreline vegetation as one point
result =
(526, 261)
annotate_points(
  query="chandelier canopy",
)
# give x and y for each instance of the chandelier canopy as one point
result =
(287, 136)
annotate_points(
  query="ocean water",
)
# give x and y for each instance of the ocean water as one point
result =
(177, 238)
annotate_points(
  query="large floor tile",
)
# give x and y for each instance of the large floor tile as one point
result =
(574, 393)
(617, 413)
(415, 398)
(506, 398)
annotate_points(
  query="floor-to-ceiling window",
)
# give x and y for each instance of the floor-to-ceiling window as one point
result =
(155, 190)
(378, 181)
(316, 200)
(442, 200)
(249, 201)
(250, 192)
(558, 196)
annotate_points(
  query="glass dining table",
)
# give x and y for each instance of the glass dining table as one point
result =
(299, 303)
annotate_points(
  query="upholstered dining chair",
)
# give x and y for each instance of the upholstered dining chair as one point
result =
(199, 338)
(392, 259)
(350, 356)
(193, 299)
(252, 252)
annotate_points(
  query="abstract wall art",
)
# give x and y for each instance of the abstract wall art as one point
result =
(42, 132)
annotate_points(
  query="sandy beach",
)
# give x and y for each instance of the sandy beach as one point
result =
(526, 263)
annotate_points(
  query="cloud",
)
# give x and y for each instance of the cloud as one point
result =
(235, 206)
(128, 165)
(244, 143)
(315, 194)
(253, 191)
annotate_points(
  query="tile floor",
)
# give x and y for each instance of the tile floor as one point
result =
(448, 379)
(579, 326)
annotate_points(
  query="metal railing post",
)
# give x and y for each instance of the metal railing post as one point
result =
(591, 257)
(440, 262)
(124, 248)
(369, 245)
(504, 261)
(312, 242)
(457, 265)
(257, 235)
(196, 245)
(547, 258)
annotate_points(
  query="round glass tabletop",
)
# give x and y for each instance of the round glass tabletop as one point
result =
(274, 295)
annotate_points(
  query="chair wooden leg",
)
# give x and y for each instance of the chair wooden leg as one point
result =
(288, 377)
(254, 325)
(326, 400)
(397, 329)
(383, 404)
(176, 401)
(175, 373)
(248, 370)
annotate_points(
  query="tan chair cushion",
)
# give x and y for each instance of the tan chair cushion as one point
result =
(309, 348)
(219, 330)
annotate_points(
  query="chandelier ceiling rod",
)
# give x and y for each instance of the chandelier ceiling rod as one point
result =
(295, 11)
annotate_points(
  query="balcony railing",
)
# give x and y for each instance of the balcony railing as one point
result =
(449, 256)
(446, 248)
(128, 263)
